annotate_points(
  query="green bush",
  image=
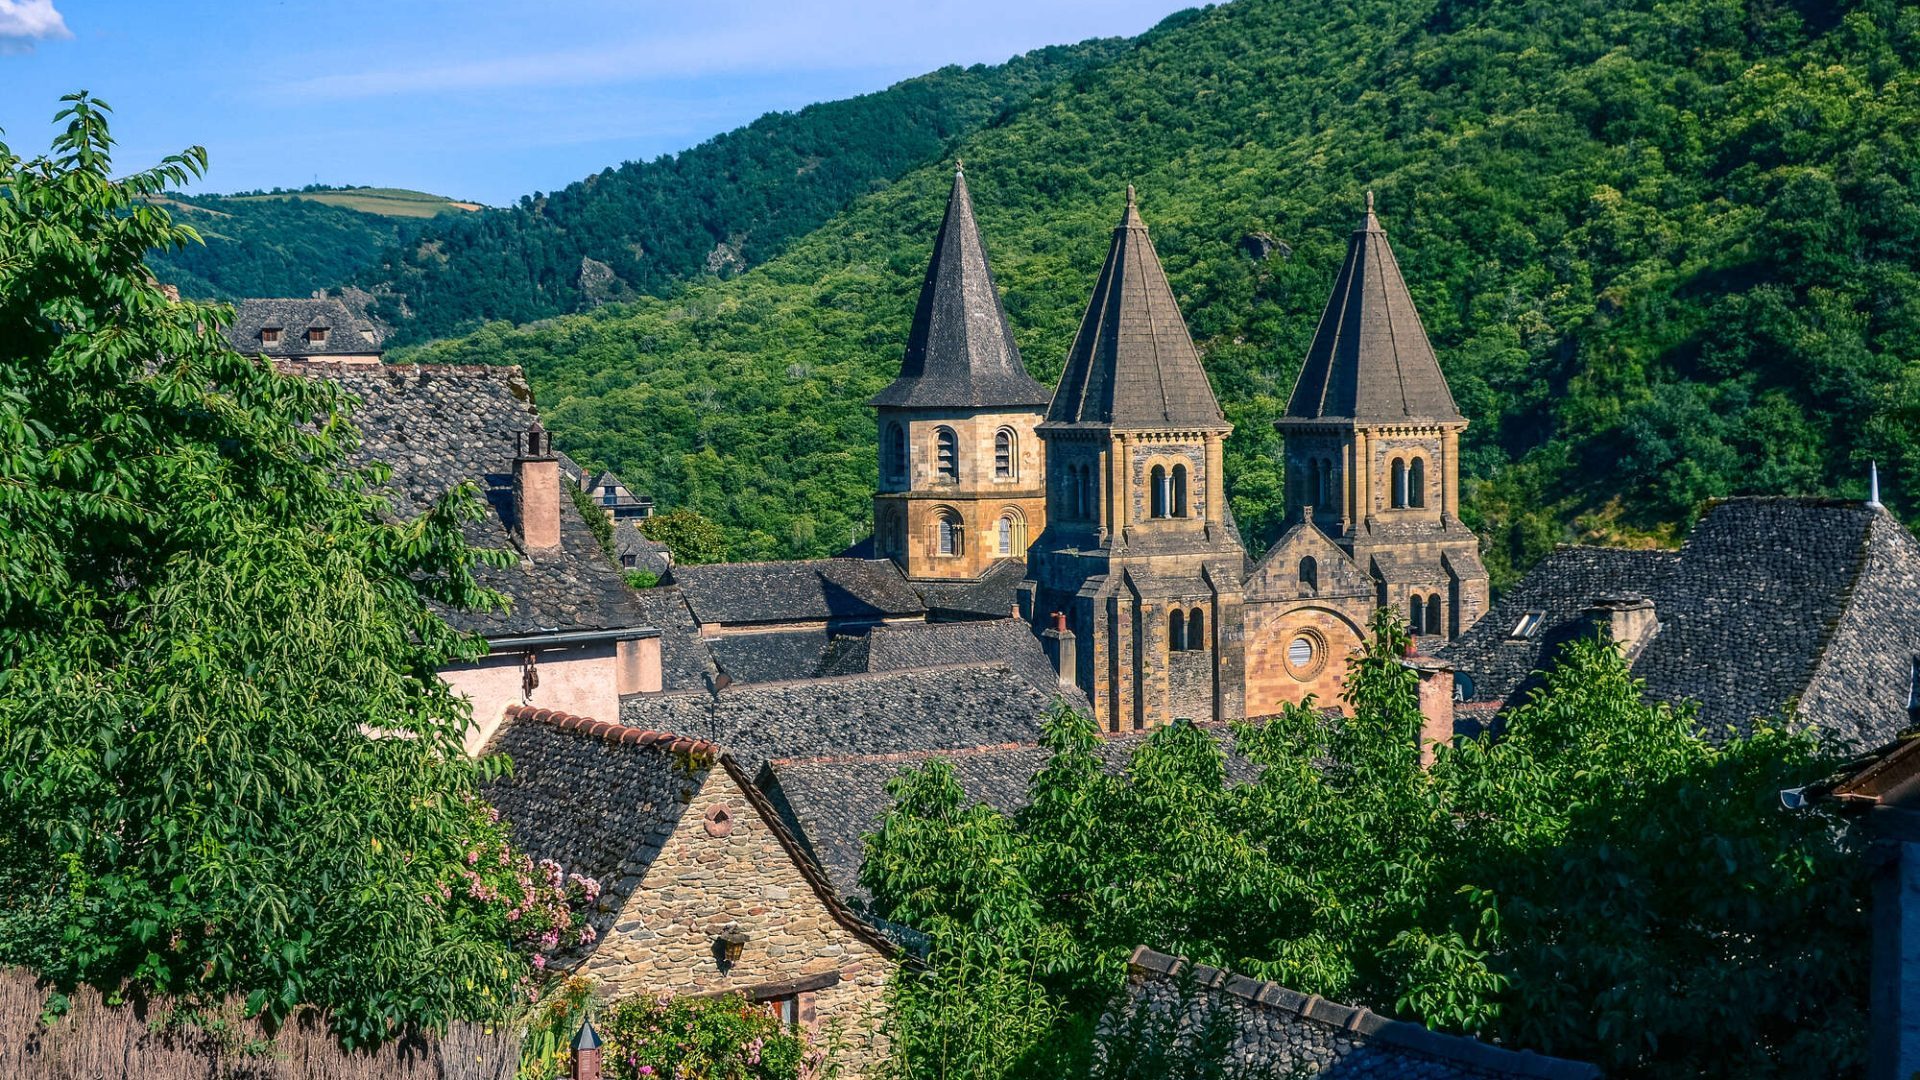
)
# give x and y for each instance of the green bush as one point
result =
(711, 1038)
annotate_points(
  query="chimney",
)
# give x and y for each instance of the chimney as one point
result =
(1628, 621)
(536, 492)
(1061, 648)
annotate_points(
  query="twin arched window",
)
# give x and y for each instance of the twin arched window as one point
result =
(1086, 499)
(1187, 631)
(1424, 615)
(946, 454)
(1006, 457)
(1409, 483)
(1167, 494)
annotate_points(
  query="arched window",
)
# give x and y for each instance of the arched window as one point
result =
(1416, 614)
(1012, 533)
(1177, 630)
(900, 533)
(946, 454)
(1433, 614)
(1004, 457)
(1310, 576)
(950, 534)
(1399, 484)
(1323, 491)
(896, 452)
(1417, 483)
(1179, 502)
(1006, 535)
(1196, 630)
(1157, 492)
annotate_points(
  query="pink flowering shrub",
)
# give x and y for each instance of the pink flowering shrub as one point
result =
(716, 1038)
(537, 906)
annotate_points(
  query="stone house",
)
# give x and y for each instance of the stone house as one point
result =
(1274, 1031)
(703, 889)
(607, 492)
(318, 327)
(1881, 792)
(573, 636)
(1771, 604)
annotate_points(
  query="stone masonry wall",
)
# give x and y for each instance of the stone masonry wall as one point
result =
(703, 885)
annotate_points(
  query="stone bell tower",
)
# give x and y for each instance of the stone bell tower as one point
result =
(1140, 554)
(1373, 446)
(962, 478)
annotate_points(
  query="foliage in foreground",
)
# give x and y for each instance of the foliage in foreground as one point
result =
(716, 1038)
(203, 613)
(1591, 885)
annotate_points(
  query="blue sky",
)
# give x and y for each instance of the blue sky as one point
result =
(483, 99)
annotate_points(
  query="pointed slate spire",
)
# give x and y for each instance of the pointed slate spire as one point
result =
(1133, 364)
(960, 352)
(1370, 361)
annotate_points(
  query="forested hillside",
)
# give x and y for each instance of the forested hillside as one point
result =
(1666, 251)
(289, 243)
(719, 208)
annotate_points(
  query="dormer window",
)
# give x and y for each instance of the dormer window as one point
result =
(270, 335)
(1528, 625)
(316, 335)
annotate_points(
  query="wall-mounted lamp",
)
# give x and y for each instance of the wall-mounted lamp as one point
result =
(727, 947)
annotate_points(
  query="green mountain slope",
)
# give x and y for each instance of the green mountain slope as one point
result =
(1666, 251)
(725, 205)
(289, 243)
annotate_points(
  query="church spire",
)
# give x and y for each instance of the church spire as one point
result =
(960, 352)
(1133, 364)
(1370, 361)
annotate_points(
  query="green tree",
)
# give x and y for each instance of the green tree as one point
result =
(205, 615)
(690, 536)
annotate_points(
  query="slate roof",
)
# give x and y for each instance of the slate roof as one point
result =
(685, 661)
(1769, 600)
(438, 425)
(803, 591)
(832, 802)
(992, 595)
(936, 708)
(1133, 364)
(1282, 1031)
(960, 351)
(900, 646)
(770, 655)
(602, 800)
(1370, 360)
(347, 334)
(649, 555)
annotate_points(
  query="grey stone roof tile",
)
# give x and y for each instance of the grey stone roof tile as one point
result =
(731, 594)
(1133, 364)
(993, 595)
(960, 351)
(438, 425)
(1370, 360)
(347, 334)
(770, 655)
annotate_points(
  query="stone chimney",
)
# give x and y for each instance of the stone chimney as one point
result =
(536, 492)
(1436, 704)
(1061, 648)
(1628, 621)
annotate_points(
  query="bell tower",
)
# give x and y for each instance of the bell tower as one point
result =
(962, 478)
(1373, 446)
(1140, 555)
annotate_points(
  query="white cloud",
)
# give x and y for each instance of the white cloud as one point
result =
(22, 22)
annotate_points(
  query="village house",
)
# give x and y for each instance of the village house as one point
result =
(607, 492)
(703, 889)
(572, 636)
(318, 327)
(1273, 1031)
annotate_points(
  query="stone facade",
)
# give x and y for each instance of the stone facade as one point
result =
(940, 523)
(1274, 1031)
(1307, 605)
(690, 856)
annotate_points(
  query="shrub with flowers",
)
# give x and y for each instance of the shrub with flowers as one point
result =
(714, 1038)
(537, 906)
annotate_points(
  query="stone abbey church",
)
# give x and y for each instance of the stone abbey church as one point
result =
(1111, 491)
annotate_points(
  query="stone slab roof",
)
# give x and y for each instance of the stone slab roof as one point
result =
(649, 555)
(960, 351)
(771, 655)
(1133, 364)
(438, 425)
(1769, 600)
(347, 333)
(734, 594)
(832, 802)
(1282, 1032)
(939, 708)
(993, 595)
(900, 646)
(1370, 360)
(603, 799)
(685, 661)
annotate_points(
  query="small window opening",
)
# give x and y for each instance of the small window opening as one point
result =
(1179, 491)
(1310, 576)
(1528, 624)
(1003, 456)
(1158, 492)
(1196, 630)
(1417, 483)
(946, 454)
(1177, 631)
(1399, 500)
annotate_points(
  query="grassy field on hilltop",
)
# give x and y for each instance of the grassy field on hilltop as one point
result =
(1666, 252)
(386, 202)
